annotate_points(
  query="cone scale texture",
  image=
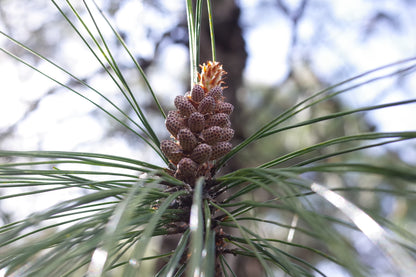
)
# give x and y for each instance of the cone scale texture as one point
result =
(200, 126)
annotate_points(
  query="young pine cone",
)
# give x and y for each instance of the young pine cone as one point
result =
(200, 126)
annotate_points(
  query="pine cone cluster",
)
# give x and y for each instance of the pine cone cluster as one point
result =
(200, 126)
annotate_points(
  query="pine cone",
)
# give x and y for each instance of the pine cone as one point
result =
(200, 126)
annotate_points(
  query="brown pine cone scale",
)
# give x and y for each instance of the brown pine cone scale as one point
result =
(200, 126)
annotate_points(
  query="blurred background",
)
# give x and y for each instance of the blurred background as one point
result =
(276, 53)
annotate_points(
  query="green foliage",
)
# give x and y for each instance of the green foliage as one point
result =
(255, 212)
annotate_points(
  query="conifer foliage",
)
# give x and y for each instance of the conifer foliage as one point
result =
(278, 215)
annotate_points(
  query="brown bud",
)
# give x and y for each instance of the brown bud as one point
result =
(186, 167)
(219, 119)
(171, 150)
(196, 122)
(197, 93)
(174, 123)
(184, 106)
(212, 134)
(220, 149)
(187, 140)
(201, 153)
(227, 134)
(216, 93)
(207, 105)
(224, 107)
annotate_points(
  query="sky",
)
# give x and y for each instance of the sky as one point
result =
(65, 121)
(267, 64)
